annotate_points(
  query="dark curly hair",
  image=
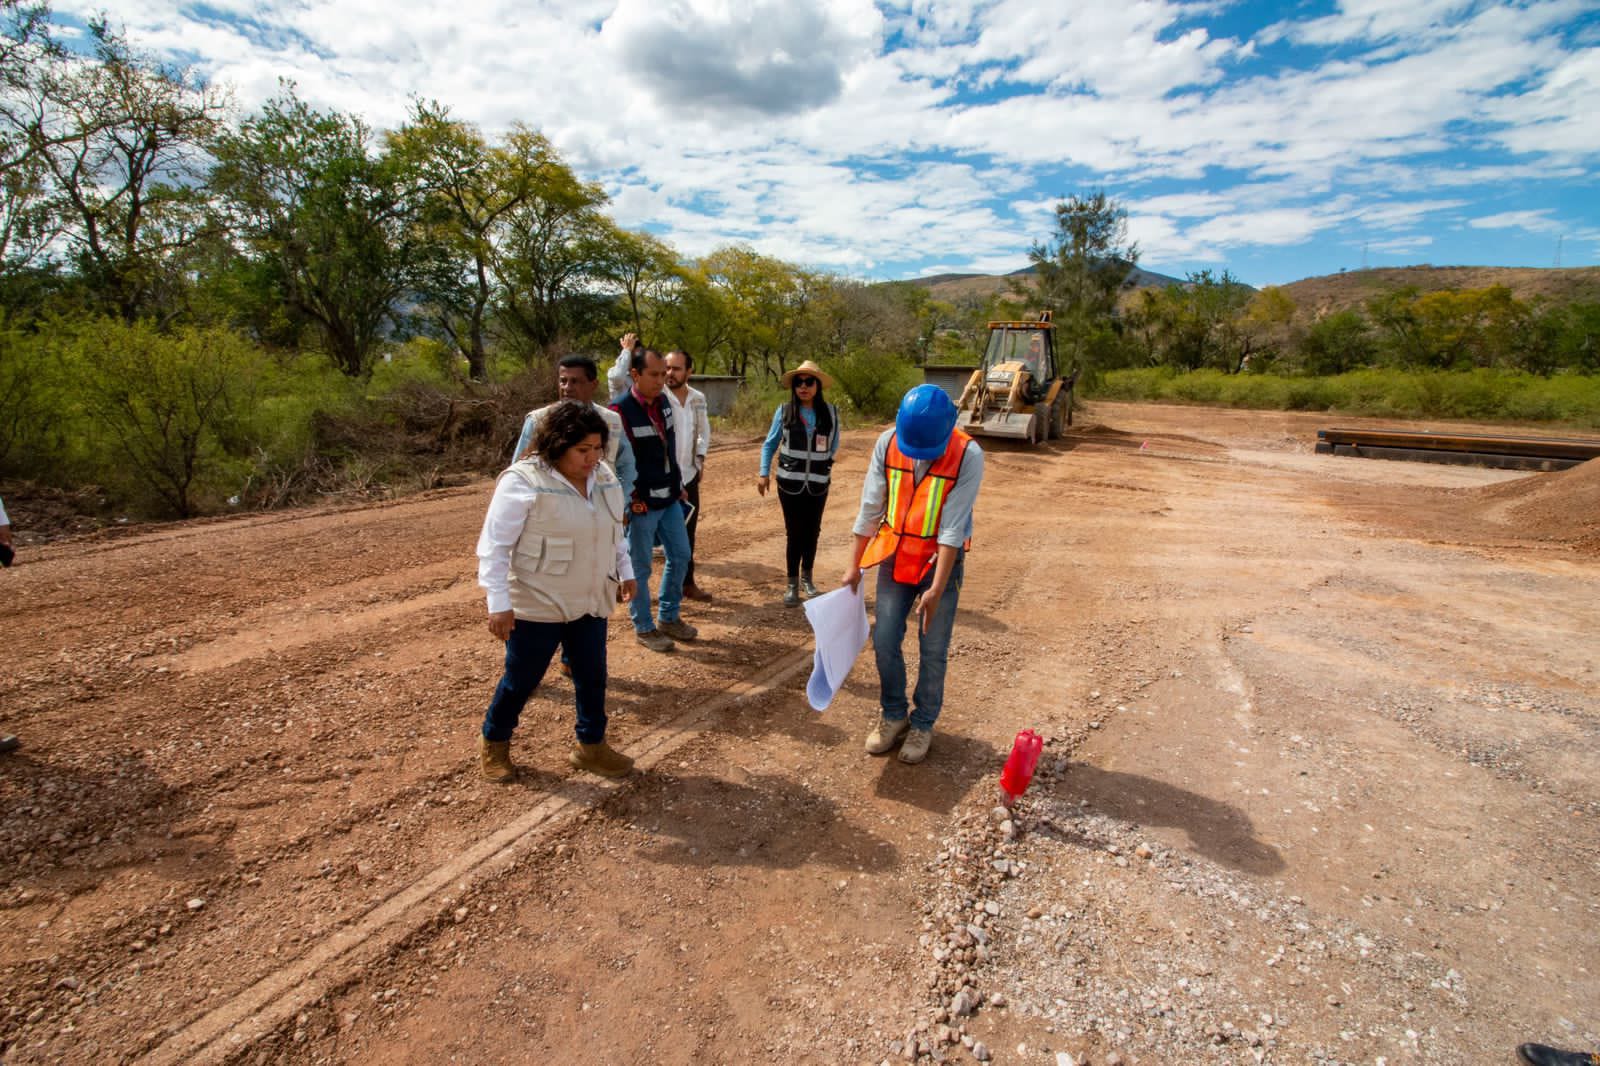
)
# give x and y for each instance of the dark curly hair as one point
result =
(565, 425)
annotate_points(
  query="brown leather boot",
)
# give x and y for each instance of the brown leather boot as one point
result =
(601, 759)
(494, 758)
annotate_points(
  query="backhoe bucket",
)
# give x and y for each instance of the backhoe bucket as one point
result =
(1001, 424)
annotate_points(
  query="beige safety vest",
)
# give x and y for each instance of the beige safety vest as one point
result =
(564, 565)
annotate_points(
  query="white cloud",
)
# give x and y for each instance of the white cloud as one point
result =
(1532, 221)
(770, 57)
(1400, 245)
(1184, 205)
(1558, 116)
(852, 135)
(1375, 20)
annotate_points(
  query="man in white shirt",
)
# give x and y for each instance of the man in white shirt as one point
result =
(576, 377)
(690, 415)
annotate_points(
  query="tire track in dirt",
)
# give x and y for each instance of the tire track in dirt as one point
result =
(229, 1030)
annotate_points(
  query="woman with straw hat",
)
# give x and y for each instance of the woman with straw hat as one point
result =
(804, 437)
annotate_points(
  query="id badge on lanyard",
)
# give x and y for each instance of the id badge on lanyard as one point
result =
(822, 444)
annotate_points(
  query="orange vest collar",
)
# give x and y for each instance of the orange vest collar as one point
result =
(909, 530)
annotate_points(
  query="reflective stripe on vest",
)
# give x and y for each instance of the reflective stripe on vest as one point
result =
(910, 527)
(794, 453)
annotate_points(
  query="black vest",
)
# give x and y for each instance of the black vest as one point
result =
(659, 481)
(800, 465)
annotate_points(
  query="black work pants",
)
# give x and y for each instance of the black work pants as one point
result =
(693, 492)
(802, 521)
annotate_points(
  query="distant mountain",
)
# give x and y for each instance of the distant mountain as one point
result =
(1323, 295)
(955, 286)
(1318, 296)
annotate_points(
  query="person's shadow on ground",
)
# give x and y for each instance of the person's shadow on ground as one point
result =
(766, 820)
(1219, 831)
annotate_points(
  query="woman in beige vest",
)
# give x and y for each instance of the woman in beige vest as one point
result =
(554, 563)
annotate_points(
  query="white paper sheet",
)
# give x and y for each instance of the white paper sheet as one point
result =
(839, 621)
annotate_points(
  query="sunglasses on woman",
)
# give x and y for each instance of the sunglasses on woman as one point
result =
(805, 383)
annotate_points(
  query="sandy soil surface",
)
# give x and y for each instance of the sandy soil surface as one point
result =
(1319, 786)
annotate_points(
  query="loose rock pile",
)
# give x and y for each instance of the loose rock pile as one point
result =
(1109, 948)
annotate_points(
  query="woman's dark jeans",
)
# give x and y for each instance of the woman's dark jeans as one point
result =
(802, 522)
(528, 655)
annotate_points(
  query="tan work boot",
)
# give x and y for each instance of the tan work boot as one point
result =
(885, 735)
(915, 748)
(601, 759)
(494, 759)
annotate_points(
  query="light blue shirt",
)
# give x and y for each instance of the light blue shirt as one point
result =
(955, 518)
(769, 447)
(619, 453)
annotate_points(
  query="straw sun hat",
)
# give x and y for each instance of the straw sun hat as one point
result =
(809, 369)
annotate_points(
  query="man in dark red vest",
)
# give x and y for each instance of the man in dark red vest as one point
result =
(656, 509)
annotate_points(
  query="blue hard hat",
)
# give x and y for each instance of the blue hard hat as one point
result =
(923, 425)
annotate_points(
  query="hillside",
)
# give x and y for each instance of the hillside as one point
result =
(954, 287)
(1337, 292)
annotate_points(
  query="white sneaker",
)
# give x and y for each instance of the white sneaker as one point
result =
(915, 748)
(885, 734)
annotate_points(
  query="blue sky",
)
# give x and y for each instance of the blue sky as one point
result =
(894, 139)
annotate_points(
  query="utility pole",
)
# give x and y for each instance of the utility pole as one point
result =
(1559, 238)
(1364, 255)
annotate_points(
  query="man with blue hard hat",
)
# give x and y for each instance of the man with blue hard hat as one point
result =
(916, 519)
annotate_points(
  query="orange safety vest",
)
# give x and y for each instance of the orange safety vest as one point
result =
(910, 527)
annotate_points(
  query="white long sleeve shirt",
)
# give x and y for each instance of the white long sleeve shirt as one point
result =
(691, 427)
(502, 528)
(617, 378)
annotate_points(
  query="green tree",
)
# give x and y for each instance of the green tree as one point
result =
(553, 252)
(1337, 343)
(1393, 315)
(1266, 328)
(469, 189)
(769, 304)
(1079, 273)
(32, 64)
(336, 226)
(22, 370)
(645, 268)
(696, 314)
(122, 151)
(1576, 341)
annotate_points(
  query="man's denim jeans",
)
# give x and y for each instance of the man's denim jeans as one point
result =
(643, 529)
(528, 655)
(888, 632)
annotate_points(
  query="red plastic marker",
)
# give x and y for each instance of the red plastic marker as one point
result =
(1019, 766)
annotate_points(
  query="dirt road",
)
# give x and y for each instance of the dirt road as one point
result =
(1319, 787)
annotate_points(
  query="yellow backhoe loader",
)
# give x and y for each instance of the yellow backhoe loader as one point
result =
(1019, 391)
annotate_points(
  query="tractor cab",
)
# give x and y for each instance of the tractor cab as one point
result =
(1012, 343)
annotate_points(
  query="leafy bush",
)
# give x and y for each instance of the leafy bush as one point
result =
(1481, 395)
(24, 380)
(872, 382)
(171, 406)
(753, 406)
